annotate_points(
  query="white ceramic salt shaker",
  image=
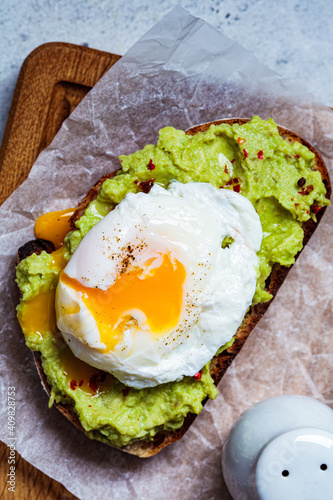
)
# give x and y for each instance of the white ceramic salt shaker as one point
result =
(281, 449)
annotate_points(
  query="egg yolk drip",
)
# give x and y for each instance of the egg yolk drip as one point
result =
(78, 373)
(158, 294)
(53, 226)
(38, 314)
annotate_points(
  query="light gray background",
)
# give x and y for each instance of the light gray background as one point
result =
(293, 37)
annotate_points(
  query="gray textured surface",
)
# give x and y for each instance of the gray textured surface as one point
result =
(292, 37)
(117, 29)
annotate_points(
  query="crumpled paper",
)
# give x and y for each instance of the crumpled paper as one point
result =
(181, 73)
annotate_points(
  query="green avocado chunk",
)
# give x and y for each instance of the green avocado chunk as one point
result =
(252, 159)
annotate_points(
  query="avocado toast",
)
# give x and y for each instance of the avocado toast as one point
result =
(245, 148)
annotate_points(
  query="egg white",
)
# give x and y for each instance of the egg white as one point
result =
(189, 222)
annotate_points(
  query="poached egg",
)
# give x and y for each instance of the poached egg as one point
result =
(151, 293)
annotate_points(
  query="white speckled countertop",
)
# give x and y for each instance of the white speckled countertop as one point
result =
(293, 37)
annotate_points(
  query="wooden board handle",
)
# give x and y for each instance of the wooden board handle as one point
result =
(54, 78)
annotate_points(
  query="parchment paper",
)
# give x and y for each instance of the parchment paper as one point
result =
(182, 72)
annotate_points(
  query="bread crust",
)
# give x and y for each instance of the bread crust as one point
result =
(220, 363)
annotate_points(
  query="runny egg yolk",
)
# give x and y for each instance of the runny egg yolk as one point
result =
(38, 314)
(78, 373)
(58, 258)
(158, 294)
(53, 226)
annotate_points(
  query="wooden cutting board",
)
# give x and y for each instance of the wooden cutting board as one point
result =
(54, 78)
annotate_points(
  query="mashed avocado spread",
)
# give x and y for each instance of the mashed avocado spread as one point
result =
(252, 159)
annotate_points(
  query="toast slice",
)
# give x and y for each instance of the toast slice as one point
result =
(221, 362)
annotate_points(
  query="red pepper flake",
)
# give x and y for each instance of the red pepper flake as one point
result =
(296, 156)
(89, 406)
(261, 154)
(233, 161)
(73, 384)
(146, 186)
(315, 209)
(151, 165)
(246, 154)
(95, 379)
(307, 190)
(125, 392)
(81, 382)
(221, 187)
(136, 181)
(235, 180)
(226, 169)
(241, 141)
(197, 376)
